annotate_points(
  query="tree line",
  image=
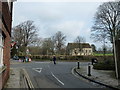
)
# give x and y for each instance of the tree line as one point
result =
(27, 38)
(106, 28)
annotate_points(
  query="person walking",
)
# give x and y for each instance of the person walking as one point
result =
(54, 59)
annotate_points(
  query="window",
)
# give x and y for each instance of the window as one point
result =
(9, 4)
(1, 48)
(82, 50)
(89, 51)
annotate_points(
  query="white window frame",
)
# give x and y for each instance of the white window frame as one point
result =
(1, 48)
(9, 4)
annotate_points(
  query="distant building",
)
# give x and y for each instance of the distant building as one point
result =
(5, 39)
(79, 49)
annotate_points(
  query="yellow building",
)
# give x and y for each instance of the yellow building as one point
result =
(79, 49)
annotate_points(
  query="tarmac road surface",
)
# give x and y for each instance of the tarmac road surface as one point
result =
(48, 75)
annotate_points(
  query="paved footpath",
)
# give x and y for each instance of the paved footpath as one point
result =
(14, 79)
(102, 76)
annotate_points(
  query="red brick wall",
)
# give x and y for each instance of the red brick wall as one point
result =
(6, 28)
(6, 56)
(0, 6)
(6, 16)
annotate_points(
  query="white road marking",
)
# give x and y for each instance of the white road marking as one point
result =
(37, 69)
(57, 79)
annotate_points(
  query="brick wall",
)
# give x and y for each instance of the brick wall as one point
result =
(6, 55)
(6, 16)
(6, 22)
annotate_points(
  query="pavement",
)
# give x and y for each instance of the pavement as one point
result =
(18, 77)
(103, 77)
(14, 78)
(98, 76)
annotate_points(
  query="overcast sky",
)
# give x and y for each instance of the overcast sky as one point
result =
(72, 18)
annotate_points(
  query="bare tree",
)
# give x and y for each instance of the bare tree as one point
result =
(59, 39)
(79, 40)
(48, 46)
(107, 22)
(35, 50)
(24, 34)
(38, 42)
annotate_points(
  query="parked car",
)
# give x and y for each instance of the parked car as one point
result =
(15, 58)
(94, 60)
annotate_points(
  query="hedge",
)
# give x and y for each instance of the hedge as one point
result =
(68, 57)
(105, 65)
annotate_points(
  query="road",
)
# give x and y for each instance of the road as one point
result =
(48, 75)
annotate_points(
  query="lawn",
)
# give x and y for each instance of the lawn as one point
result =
(100, 54)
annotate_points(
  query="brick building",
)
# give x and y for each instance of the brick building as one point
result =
(5, 39)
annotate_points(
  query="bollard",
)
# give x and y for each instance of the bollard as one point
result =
(89, 70)
(78, 65)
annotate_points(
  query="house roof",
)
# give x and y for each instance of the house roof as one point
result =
(77, 45)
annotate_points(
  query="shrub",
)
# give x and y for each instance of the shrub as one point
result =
(68, 57)
(105, 65)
